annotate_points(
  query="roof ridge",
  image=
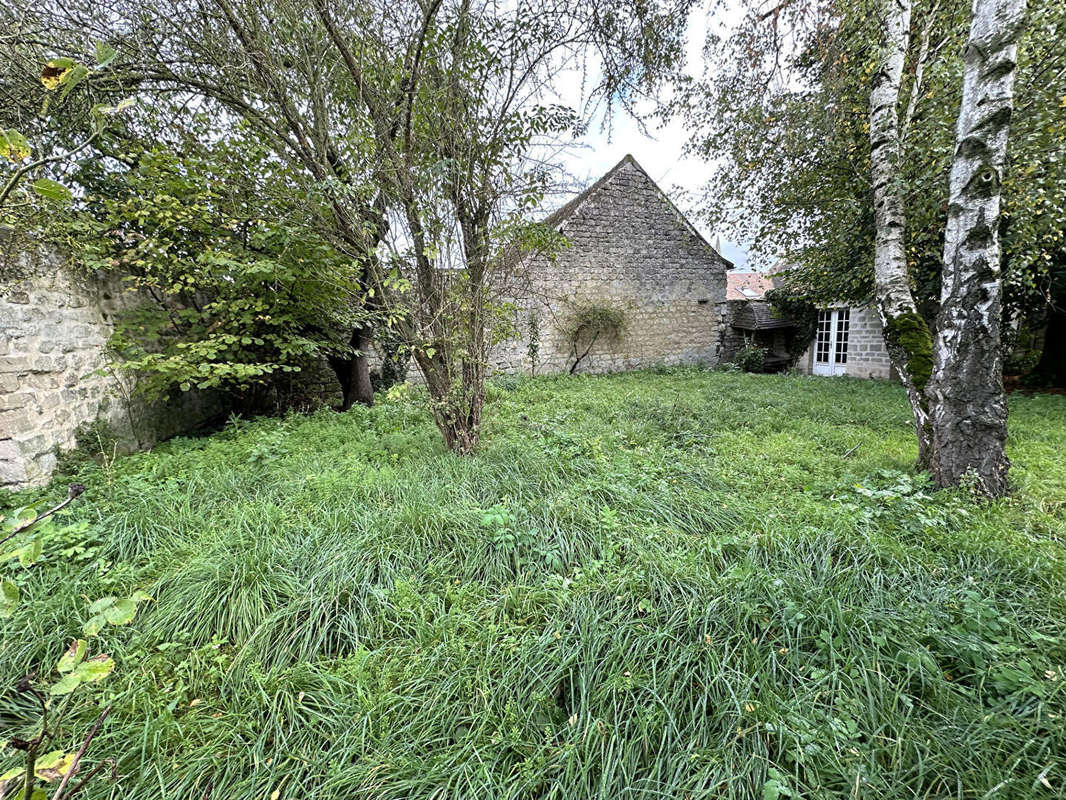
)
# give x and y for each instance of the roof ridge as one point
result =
(561, 215)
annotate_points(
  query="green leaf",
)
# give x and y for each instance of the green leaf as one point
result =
(776, 786)
(140, 596)
(96, 668)
(67, 684)
(30, 553)
(72, 78)
(53, 766)
(13, 145)
(100, 604)
(51, 190)
(105, 54)
(121, 613)
(94, 625)
(9, 599)
(23, 515)
(75, 655)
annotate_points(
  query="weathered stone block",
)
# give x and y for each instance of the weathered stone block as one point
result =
(12, 472)
(51, 360)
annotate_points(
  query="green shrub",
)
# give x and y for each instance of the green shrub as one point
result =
(751, 359)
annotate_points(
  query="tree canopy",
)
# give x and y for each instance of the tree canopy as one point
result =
(783, 113)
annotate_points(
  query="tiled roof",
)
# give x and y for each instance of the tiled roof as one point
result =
(747, 285)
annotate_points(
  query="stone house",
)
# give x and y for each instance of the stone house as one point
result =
(631, 252)
(847, 340)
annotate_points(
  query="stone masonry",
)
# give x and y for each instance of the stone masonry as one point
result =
(54, 375)
(867, 353)
(630, 249)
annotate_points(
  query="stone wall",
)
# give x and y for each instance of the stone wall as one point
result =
(54, 375)
(630, 249)
(731, 340)
(867, 354)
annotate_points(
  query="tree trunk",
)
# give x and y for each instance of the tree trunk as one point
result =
(969, 405)
(361, 389)
(906, 333)
(456, 402)
(353, 373)
(1050, 370)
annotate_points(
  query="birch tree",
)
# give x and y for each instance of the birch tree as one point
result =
(969, 407)
(906, 333)
(833, 120)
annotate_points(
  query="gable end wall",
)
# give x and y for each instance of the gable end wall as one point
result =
(631, 249)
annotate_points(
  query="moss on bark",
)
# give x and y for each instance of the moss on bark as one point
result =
(909, 333)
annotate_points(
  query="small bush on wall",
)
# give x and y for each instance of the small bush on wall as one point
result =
(591, 323)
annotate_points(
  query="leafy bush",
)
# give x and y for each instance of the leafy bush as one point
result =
(235, 294)
(751, 359)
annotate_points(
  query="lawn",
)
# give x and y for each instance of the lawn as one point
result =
(683, 584)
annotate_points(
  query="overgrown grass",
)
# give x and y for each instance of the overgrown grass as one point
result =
(677, 585)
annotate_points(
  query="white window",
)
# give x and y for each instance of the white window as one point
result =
(831, 342)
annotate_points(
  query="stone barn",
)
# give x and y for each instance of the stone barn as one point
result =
(632, 259)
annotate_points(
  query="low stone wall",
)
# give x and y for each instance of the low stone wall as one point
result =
(54, 374)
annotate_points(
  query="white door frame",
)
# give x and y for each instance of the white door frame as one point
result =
(831, 342)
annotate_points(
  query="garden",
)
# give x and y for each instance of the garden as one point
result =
(673, 583)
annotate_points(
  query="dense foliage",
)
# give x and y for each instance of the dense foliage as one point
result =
(784, 112)
(681, 585)
(235, 289)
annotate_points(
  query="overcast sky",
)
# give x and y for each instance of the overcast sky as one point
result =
(659, 151)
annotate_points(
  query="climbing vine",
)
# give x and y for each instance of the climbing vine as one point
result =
(590, 323)
(801, 309)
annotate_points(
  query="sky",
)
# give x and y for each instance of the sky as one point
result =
(659, 151)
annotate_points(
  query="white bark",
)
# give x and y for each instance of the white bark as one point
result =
(919, 69)
(890, 259)
(891, 277)
(969, 416)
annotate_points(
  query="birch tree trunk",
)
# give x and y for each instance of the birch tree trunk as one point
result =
(969, 418)
(906, 333)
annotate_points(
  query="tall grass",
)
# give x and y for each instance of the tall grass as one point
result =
(683, 585)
